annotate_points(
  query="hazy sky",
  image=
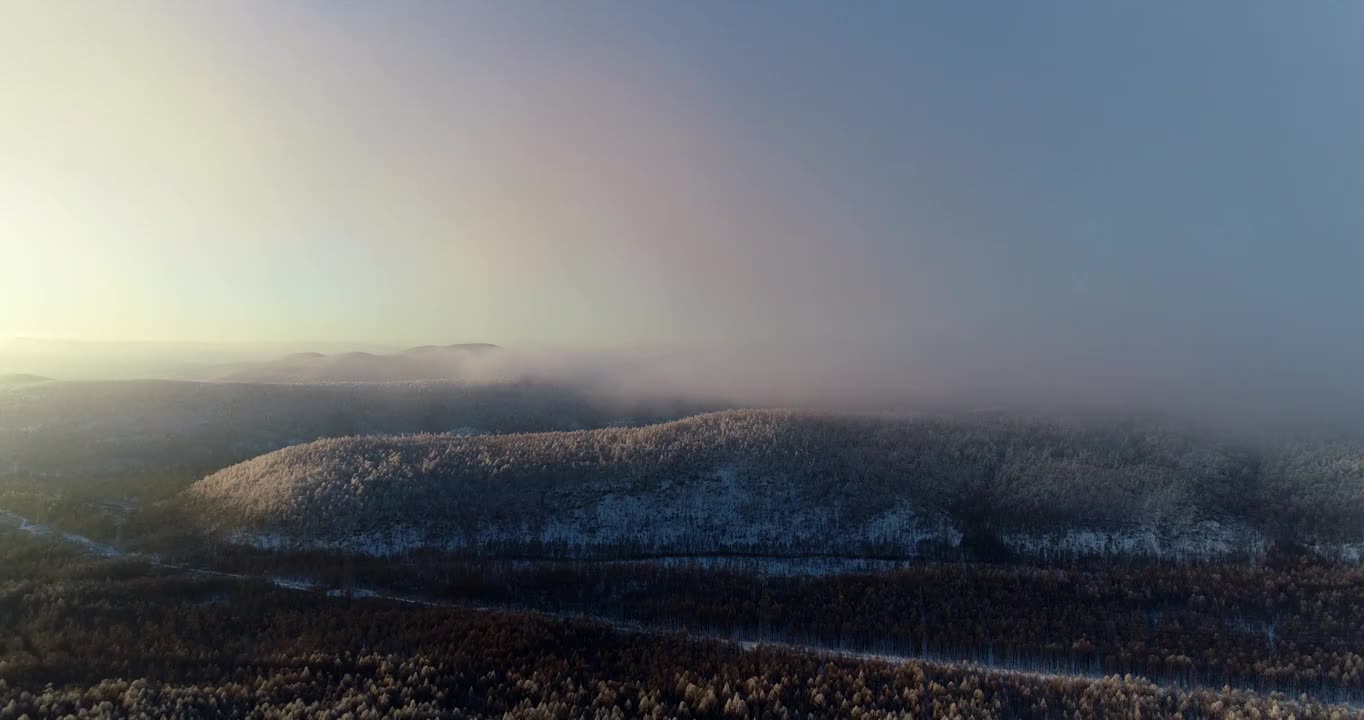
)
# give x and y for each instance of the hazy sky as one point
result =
(1083, 187)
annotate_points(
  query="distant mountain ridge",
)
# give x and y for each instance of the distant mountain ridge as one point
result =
(72, 433)
(21, 378)
(474, 347)
(461, 361)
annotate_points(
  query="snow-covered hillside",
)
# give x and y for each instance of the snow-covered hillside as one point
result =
(752, 482)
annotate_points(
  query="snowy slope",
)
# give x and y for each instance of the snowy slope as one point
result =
(743, 482)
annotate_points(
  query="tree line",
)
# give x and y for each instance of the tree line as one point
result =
(126, 646)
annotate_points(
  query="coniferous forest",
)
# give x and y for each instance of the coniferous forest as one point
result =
(732, 564)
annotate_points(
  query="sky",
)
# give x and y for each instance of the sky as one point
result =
(1051, 194)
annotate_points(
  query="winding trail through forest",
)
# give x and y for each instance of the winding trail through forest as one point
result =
(1350, 700)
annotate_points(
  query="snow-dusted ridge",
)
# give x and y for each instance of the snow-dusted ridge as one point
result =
(751, 483)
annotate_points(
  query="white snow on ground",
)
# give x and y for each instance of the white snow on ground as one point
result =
(359, 592)
(1342, 552)
(906, 525)
(9, 519)
(290, 583)
(773, 566)
(306, 585)
(1204, 540)
(261, 541)
(722, 515)
(728, 520)
(395, 541)
(726, 514)
(93, 547)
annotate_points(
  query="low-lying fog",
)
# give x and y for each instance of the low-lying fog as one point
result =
(1242, 388)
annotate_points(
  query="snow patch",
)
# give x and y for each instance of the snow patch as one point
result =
(1203, 540)
(722, 514)
(1339, 552)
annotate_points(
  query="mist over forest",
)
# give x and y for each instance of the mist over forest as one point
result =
(704, 360)
(1242, 392)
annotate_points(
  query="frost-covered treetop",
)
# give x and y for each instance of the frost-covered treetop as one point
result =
(1003, 473)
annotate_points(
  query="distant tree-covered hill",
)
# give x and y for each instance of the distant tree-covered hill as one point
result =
(790, 483)
(71, 433)
(467, 361)
(21, 378)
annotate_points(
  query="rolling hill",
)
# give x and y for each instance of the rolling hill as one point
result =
(21, 378)
(73, 433)
(770, 482)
